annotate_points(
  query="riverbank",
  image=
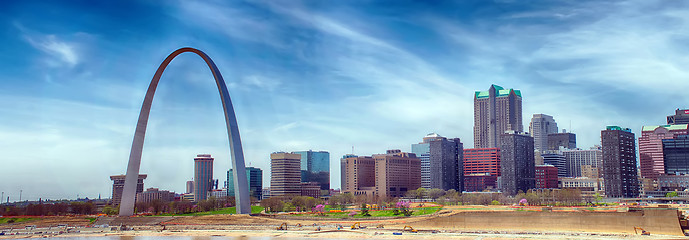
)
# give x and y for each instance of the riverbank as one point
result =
(341, 234)
(448, 223)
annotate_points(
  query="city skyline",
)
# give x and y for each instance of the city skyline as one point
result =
(309, 75)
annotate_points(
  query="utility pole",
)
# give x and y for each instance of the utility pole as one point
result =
(20, 195)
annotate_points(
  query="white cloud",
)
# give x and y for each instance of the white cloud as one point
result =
(51, 45)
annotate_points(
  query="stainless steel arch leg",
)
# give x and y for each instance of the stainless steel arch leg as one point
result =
(241, 185)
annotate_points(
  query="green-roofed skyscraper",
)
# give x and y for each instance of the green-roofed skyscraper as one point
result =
(496, 111)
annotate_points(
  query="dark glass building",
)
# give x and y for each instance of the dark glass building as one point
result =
(559, 161)
(566, 140)
(441, 162)
(254, 177)
(203, 176)
(517, 163)
(681, 117)
(676, 155)
(619, 162)
(315, 167)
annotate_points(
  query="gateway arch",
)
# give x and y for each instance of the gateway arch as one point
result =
(240, 182)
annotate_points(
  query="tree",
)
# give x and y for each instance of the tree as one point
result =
(347, 198)
(320, 209)
(421, 192)
(273, 204)
(435, 193)
(598, 198)
(110, 210)
(157, 205)
(298, 202)
(672, 194)
(309, 203)
(335, 200)
(364, 210)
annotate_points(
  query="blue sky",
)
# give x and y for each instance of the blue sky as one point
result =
(321, 75)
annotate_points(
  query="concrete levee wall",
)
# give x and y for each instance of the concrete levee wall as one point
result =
(656, 221)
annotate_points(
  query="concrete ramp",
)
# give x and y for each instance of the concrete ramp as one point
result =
(658, 221)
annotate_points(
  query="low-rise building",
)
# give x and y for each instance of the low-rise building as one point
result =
(546, 176)
(673, 182)
(311, 189)
(588, 186)
(155, 194)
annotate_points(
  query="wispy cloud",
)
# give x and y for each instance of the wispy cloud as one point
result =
(61, 52)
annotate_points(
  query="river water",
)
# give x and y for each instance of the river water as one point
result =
(178, 238)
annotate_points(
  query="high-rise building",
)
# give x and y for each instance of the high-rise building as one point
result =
(676, 154)
(619, 162)
(118, 185)
(358, 174)
(566, 140)
(481, 168)
(396, 172)
(681, 117)
(651, 147)
(546, 176)
(443, 158)
(590, 171)
(496, 111)
(155, 194)
(203, 176)
(315, 167)
(190, 187)
(576, 158)
(559, 161)
(541, 125)
(254, 177)
(517, 169)
(423, 152)
(285, 174)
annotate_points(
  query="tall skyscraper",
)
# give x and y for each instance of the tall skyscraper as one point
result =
(559, 161)
(496, 111)
(651, 147)
(681, 117)
(566, 140)
(285, 174)
(676, 153)
(541, 125)
(203, 176)
(443, 158)
(517, 163)
(481, 168)
(118, 185)
(576, 158)
(254, 177)
(315, 167)
(619, 162)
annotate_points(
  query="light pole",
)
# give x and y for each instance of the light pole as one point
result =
(20, 195)
(3, 196)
